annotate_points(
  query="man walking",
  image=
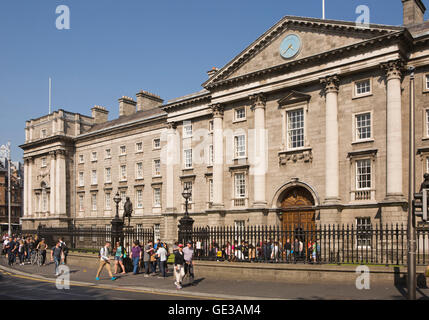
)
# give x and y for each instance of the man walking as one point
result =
(161, 254)
(136, 255)
(146, 257)
(56, 256)
(188, 255)
(104, 261)
(179, 271)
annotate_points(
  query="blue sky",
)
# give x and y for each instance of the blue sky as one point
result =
(116, 48)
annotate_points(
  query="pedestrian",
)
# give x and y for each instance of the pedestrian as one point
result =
(11, 251)
(5, 246)
(119, 257)
(288, 249)
(105, 261)
(42, 246)
(179, 262)
(136, 255)
(188, 256)
(56, 255)
(161, 254)
(65, 251)
(295, 250)
(147, 252)
(155, 247)
(21, 252)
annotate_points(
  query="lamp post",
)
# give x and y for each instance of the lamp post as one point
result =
(5, 150)
(186, 223)
(117, 223)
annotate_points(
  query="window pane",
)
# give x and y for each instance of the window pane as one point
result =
(240, 146)
(363, 174)
(363, 126)
(240, 185)
(363, 87)
(295, 119)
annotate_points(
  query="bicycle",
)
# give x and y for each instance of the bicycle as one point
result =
(36, 258)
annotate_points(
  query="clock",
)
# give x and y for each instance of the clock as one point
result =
(290, 46)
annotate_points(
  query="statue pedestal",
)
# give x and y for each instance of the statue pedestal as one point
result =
(185, 229)
(117, 230)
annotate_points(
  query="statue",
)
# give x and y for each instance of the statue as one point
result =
(128, 210)
(425, 183)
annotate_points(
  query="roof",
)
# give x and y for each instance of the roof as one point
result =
(188, 96)
(139, 115)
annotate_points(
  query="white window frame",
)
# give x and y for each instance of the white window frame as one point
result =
(187, 184)
(139, 198)
(122, 150)
(122, 176)
(185, 132)
(108, 175)
(123, 195)
(236, 153)
(81, 158)
(108, 153)
(81, 204)
(44, 162)
(364, 94)
(211, 126)
(93, 204)
(427, 165)
(156, 231)
(365, 224)
(139, 150)
(43, 133)
(210, 155)
(355, 127)
(157, 202)
(94, 180)
(357, 175)
(236, 119)
(156, 143)
(186, 163)
(93, 156)
(44, 200)
(154, 172)
(426, 82)
(139, 172)
(81, 178)
(287, 112)
(236, 195)
(108, 201)
(210, 190)
(426, 122)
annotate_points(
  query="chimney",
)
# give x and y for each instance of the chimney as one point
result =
(414, 11)
(100, 114)
(127, 106)
(148, 101)
(212, 72)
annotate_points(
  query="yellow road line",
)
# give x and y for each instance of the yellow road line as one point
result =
(116, 289)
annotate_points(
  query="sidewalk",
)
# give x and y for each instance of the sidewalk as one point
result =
(220, 289)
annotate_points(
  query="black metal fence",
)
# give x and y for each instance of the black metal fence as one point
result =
(89, 239)
(329, 244)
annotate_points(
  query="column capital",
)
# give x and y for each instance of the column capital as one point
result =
(60, 153)
(172, 125)
(393, 68)
(28, 160)
(330, 83)
(53, 154)
(217, 110)
(259, 100)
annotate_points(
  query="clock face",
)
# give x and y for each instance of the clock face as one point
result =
(290, 47)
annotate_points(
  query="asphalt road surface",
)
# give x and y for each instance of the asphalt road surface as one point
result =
(13, 287)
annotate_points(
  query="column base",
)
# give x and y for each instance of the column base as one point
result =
(259, 204)
(217, 206)
(395, 197)
(332, 200)
(171, 210)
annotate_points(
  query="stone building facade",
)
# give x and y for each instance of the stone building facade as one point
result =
(308, 125)
(16, 192)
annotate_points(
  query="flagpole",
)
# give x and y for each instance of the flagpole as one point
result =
(324, 16)
(50, 94)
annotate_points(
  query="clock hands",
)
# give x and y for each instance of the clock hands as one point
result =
(290, 47)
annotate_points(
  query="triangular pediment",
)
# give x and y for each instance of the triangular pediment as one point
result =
(315, 36)
(293, 97)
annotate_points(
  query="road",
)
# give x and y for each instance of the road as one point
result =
(14, 287)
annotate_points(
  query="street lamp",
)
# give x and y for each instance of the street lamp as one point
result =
(117, 223)
(117, 199)
(186, 194)
(186, 223)
(5, 149)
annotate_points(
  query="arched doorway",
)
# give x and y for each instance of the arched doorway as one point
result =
(297, 205)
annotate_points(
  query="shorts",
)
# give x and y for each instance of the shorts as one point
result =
(119, 259)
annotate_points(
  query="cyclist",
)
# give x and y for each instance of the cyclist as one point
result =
(188, 253)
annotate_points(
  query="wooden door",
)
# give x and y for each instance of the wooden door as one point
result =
(298, 212)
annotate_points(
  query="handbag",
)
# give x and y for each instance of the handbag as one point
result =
(152, 258)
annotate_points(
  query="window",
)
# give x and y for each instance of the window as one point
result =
(108, 205)
(108, 232)
(123, 196)
(187, 130)
(188, 185)
(240, 185)
(123, 172)
(122, 150)
(157, 143)
(44, 162)
(187, 155)
(427, 165)
(94, 177)
(139, 170)
(94, 202)
(427, 122)
(211, 126)
(108, 175)
(81, 159)
(81, 203)
(239, 114)
(211, 155)
(43, 133)
(427, 82)
(108, 153)
(363, 174)
(157, 197)
(44, 200)
(295, 128)
(240, 146)
(94, 156)
(363, 87)
(363, 229)
(157, 232)
(81, 179)
(156, 167)
(139, 198)
(139, 147)
(363, 126)
(211, 190)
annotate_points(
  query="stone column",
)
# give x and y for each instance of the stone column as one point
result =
(60, 186)
(30, 187)
(26, 179)
(260, 151)
(171, 161)
(52, 183)
(331, 84)
(218, 156)
(393, 130)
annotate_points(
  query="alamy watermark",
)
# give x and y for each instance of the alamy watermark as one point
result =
(63, 279)
(363, 280)
(63, 20)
